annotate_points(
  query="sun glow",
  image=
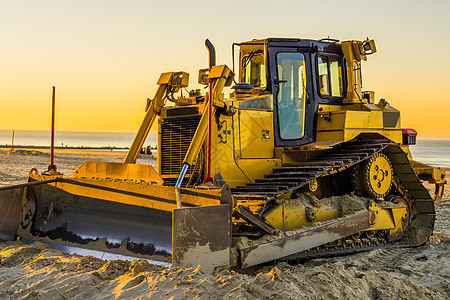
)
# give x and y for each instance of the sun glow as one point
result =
(105, 57)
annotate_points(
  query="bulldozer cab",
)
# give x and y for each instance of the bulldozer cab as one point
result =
(301, 74)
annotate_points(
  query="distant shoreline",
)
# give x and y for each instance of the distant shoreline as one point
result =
(109, 148)
(4, 147)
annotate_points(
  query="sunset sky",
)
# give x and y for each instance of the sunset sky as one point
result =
(104, 57)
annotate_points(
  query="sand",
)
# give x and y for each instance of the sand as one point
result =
(15, 165)
(35, 271)
(38, 272)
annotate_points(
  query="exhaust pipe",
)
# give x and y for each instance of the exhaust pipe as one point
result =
(212, 53)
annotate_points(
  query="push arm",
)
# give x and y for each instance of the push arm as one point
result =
(154, 109)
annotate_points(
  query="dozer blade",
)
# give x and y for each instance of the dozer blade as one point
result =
(122, 218)
(14, 208)
(80, 220)
(10, 209)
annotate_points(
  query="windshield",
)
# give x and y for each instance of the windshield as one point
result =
(291, 95)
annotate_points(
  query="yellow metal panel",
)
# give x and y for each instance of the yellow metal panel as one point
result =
(242, 171)
(336, 135)
(387, 218)
(331, 120)
(151, 196)
(398, 213)
(228, 164)
(165, 78)
(101, 169)
(406, 149)
(290, 216)
(363, 119)
(428, 173)
(295, 216)
(383, 220)
(393, 135)
(217, 71)
(256, 137)
(276, 217)
(349, 134)
(223, 165)
(180, 79)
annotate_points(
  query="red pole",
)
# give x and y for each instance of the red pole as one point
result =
(208, 173)
(212, 63)
(52, 147)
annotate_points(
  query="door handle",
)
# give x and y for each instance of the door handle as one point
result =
(277, 82)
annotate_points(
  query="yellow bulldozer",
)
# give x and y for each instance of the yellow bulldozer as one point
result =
(250, 179)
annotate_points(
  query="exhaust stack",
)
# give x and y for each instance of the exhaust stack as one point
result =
(212, 53)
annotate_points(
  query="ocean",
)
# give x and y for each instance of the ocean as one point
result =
(432, 151)
(73, 138)
(427, 150)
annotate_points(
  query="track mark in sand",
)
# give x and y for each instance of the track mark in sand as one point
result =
(385, 259)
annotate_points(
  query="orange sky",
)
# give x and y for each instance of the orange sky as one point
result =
(105, 56)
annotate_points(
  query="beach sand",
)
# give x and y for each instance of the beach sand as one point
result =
(15, 165)
(35, 271)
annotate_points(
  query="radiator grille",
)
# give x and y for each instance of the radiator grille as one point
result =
(176, 136)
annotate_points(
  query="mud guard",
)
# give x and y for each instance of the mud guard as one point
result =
(202, 236)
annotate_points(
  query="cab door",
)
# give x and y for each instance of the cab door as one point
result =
(294, 107)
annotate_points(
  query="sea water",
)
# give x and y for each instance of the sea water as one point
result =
(427, 150)
(432, 151)
(73, 138)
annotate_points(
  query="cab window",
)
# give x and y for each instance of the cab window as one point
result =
(330, 76)
(254, 69)
(292, 94)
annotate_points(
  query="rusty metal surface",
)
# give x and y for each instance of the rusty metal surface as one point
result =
(303, 240)
(202, 236)
(10, 212)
